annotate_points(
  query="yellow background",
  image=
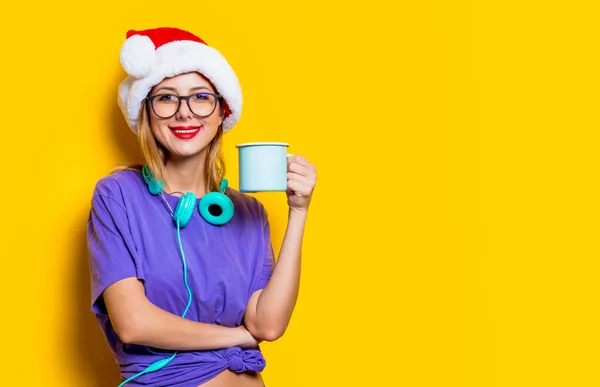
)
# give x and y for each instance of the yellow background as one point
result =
(453, 236)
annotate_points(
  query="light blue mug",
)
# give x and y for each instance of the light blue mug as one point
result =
(263, 166)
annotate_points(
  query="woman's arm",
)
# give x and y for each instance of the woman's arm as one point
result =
(137, 321)
(269, 310)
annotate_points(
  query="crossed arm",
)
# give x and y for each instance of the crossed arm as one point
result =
(136, 320)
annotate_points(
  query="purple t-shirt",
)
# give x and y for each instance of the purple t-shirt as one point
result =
(132, 234)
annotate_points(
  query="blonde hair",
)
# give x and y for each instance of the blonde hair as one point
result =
(155, 154)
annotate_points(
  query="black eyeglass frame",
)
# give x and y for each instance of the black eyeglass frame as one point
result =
(151, 98)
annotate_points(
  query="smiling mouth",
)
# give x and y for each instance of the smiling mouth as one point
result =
(185, 132)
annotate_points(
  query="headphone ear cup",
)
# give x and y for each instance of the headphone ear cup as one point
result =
(184, 209)
(216, 208)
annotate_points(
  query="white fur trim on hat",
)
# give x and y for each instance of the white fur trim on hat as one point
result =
(172, 59)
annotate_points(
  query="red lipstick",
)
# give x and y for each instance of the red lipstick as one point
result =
(185, 132)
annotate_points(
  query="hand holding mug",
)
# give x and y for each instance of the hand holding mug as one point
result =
(302, 178)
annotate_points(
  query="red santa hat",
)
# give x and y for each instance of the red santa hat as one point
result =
(152, 55)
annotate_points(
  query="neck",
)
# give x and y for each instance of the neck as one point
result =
(187, 174)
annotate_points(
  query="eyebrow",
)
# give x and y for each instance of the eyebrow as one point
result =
(175, 90)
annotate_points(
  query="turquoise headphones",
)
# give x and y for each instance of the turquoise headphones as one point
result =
(214, 207)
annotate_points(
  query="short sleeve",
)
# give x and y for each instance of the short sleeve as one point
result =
(267, 257)
(111, 251)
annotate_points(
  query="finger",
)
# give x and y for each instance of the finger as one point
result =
(300, 160)
(298, 188)
(307, 181)
(304, 162)
(300, 169)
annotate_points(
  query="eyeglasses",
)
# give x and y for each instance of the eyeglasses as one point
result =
(200, 104)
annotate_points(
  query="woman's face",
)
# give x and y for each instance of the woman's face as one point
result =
(184, 131)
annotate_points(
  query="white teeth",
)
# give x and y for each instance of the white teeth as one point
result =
(185, 131)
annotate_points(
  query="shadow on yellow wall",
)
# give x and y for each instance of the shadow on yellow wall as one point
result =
(88, 345)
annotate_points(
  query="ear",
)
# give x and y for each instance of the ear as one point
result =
(221, 114)
(224, 110)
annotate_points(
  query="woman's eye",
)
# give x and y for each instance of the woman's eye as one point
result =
(167, 97)
(202, 96)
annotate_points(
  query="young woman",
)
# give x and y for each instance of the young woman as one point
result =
(184, 281)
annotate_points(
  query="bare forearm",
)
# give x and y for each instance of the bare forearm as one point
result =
(276, 302)
(155, 327)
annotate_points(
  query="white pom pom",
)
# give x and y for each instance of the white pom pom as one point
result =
(137, 56)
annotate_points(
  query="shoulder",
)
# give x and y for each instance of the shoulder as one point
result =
(246, 203)
(119, 185)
